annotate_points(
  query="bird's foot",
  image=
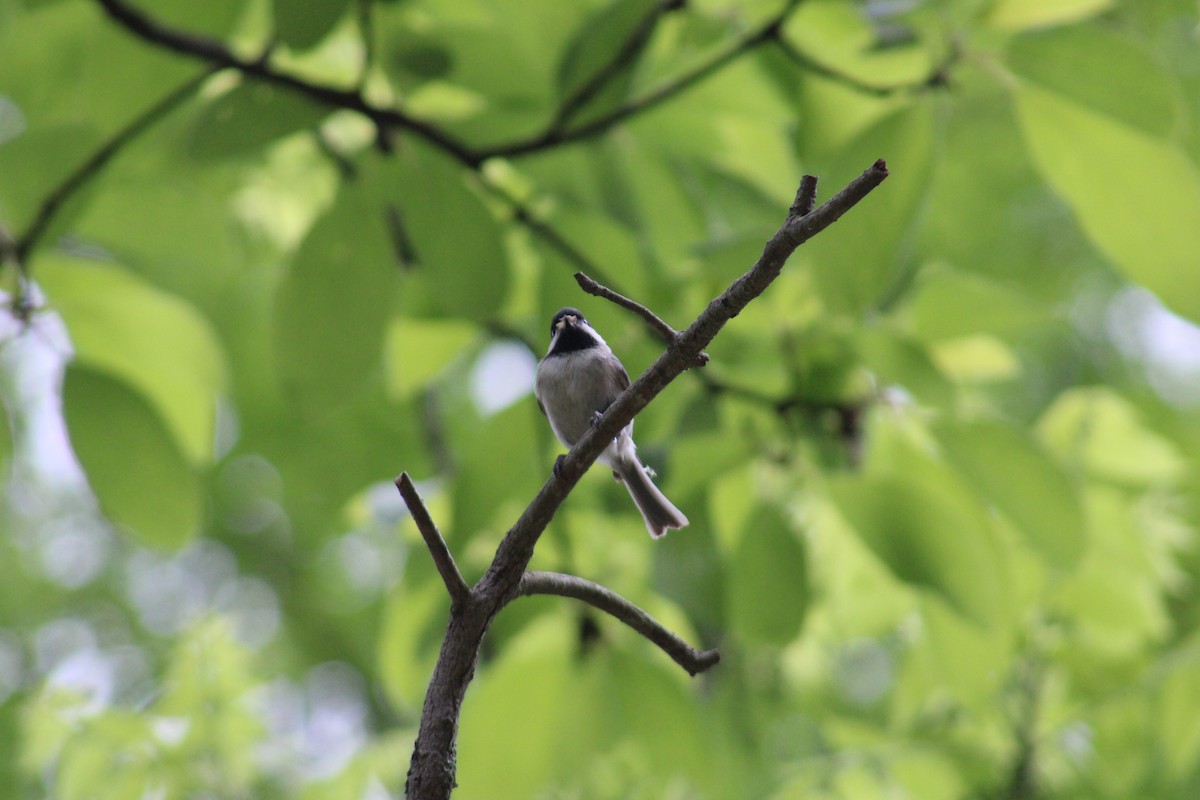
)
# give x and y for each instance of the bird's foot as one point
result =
(558, 466)
(595, 419)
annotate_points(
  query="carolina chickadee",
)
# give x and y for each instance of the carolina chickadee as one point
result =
(576, 381)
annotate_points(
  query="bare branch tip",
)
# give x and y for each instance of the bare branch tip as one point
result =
(704, 661)
(457, 587)
(806, 197)
(584, 281)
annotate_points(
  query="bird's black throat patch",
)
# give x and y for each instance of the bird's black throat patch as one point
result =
(572, 340)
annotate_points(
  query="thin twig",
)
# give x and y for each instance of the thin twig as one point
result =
(555, 583)
(460, 593)
(656, 323)
(664, 331)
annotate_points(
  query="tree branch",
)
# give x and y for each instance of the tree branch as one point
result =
(460, 593)
(608, 601)
(217, 54)
(517, 546)
(431, 773)
(664, 331)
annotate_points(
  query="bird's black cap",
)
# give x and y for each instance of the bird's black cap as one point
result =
(565, 312)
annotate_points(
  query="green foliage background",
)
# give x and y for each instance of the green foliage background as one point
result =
(943, 477)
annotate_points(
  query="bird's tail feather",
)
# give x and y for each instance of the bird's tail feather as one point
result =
(660, 514)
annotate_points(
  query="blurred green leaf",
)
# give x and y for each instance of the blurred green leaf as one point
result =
(1102, 433)
(1024, 14)
(76, 80)
(67, 63)
(955, 657)
(732, 500)
(1015, 476)
(413, 619)
(1114, 598)
(463, 50)
(601, 38)
(332, 304)
(216, 17)
(530, 683)
(208, 683)
(417, 350)
(844, 39)
(858, 260)
(703, 457)
(900, 361)
(153, 341)
(950, 303)
(1008, 547)
(177, 235)
(133, 464)
(929, 536)
(303, 23)
(1102, 168)
(248, 117)
(979, 359)
(1102, 70)
(456, 241)
(6, 441)
(990, 211)
(498, 467)
(768, 580)
(1179, 728)
(33, 165)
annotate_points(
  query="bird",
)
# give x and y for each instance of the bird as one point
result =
(577, 379)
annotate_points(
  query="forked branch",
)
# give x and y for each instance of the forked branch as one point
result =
(431, 773)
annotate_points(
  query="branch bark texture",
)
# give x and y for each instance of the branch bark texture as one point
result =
(431, 773)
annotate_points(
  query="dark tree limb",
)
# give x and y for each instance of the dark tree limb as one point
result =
(431, 773)
(217, 54)
(455, 585)
(608, 601)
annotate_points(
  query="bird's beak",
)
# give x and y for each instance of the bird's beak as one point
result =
(569, 319)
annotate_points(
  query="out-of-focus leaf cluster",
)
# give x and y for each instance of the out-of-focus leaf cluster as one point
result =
(942, 477)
